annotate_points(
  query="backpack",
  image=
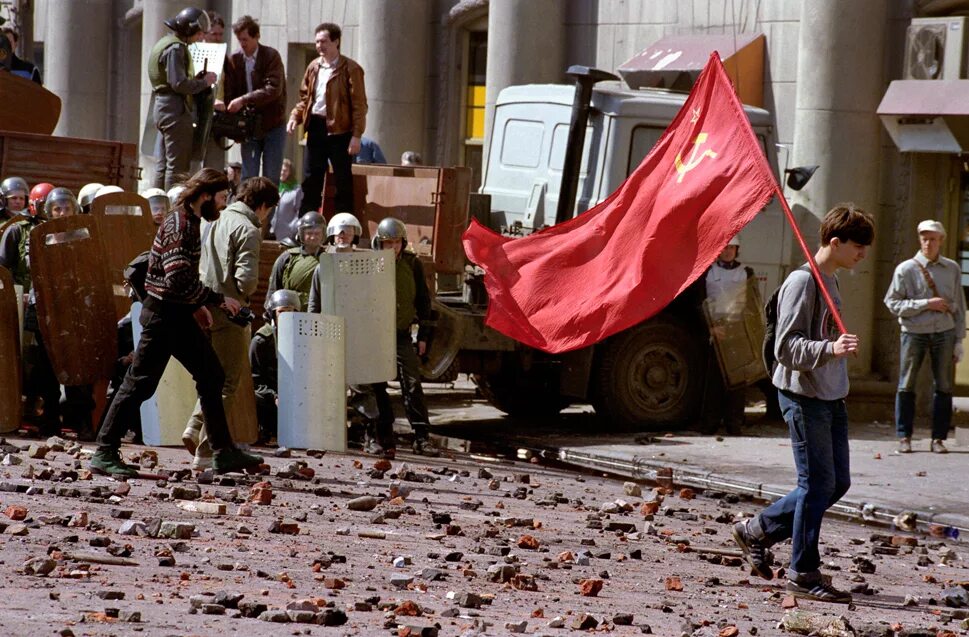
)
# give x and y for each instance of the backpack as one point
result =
(770, 327)
(136, 273)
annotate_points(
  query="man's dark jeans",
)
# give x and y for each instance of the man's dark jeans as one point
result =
(940, 347)
(819, 439)
(168, 330)
(322, 148)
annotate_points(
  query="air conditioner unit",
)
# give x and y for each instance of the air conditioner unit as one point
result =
(935, 49)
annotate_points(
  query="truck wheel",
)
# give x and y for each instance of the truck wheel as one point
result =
(649, 376)
(519, 400)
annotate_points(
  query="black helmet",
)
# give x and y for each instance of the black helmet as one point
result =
(188, 22)
(60, 196)
(284, 298)
(12, 185)
(308, 221)
(389, 228)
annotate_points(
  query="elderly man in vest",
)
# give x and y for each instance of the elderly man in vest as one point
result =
(927, 298)
(173, 83)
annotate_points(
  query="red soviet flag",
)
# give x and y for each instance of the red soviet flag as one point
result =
(621, 262)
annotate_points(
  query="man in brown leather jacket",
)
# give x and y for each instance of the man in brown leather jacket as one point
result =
(333, 109)
(254, 76)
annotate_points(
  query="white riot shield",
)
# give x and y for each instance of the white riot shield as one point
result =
(360, 287)
(312, 383)
(164, 415)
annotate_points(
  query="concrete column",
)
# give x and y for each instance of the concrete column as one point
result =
(79, 29)
(152, 29)
(839, 85)
(394, 40)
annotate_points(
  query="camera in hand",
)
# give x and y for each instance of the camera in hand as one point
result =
(243, 317)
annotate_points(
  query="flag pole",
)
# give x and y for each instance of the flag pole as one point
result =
(811, 262)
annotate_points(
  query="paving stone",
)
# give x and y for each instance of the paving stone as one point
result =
(363, 503)
(176, 530)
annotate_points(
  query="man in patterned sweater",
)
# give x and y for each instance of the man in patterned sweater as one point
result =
(173, 317)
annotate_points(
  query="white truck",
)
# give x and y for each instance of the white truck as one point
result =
(651, 374)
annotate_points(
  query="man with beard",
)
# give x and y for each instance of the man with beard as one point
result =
(173, 317)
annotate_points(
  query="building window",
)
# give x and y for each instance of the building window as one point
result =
(474, 100)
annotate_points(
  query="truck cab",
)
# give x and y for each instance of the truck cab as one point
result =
(652, 374)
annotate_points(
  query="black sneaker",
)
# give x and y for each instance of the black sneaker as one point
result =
(755, 550)
(234, 459)
(109, 461)
(819, 590)
(423, 447)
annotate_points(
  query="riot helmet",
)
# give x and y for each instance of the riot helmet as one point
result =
(284, 298)
(38, 198)
(61, 203)
(173, 194)
(310, 221)
(389, 228)
(85, 196)
(343, 220)
(13, 187)
(107, 190)
(158, 202)
(189, 22)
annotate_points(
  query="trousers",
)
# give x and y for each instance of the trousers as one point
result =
(168, 329)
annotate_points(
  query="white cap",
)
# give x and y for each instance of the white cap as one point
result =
(931, 225)
(735, 241)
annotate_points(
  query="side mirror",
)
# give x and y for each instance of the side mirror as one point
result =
(798, 177)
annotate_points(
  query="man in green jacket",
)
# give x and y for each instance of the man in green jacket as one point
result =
(230, 266)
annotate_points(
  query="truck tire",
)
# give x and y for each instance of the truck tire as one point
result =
(649, 377)
(508, 395)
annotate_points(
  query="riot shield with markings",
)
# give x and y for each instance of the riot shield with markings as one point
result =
(10, 388)
(74, 305)
(312, 381)
(736, 323)
(361, 288)
(126, 229)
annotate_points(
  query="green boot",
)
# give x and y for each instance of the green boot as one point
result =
(108, 460)
(234, 459)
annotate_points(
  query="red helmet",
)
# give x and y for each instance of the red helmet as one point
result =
(38, 197)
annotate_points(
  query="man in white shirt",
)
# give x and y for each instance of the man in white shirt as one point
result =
(333, 110)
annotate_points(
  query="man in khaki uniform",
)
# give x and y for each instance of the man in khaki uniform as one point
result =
(230, 266)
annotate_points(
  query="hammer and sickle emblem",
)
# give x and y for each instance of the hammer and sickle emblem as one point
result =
(694, 161)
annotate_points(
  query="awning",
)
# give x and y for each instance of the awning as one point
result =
(927, 116)
(674, 62)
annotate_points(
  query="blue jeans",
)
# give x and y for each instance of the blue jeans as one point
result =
(268, 151)
(819, 439)
(939, 346)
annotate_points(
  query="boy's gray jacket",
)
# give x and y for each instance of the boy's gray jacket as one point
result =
(806, 332)
(230, 252)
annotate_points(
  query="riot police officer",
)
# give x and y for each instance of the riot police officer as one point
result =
(264, 363)
(173, 84)
(413, 306)
(13, 197)
(294, 268)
